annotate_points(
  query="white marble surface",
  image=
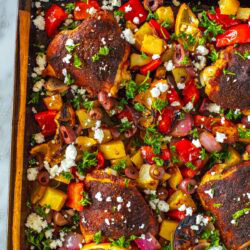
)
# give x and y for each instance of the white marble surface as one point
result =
(8, 27)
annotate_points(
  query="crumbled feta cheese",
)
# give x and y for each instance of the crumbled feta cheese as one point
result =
(155, 56)
(38, 85)
(223, 120)
(194, 227)
(163, 87)
(202, 50)
(175, 104)
(169, 65)
(196, 143)
(233, 222)
(163, 206)
(91, 11)
(77, 8)
(39, 138)
(189, 211)
(107, 221)
(155, 92)
(98, 196)
(36, 222)
(201, 220)
(49, 233)
(182, 208)
(189, 106)
(213, 173)
(108, 199)
(71, 152)
(116, 3)
(99, 135)
(128, 35)
(128, 8)
(210, 192)
(180, 85)
(220, 137)
(37, 5)
(67, 58)
(216, 248)
(39, 22)
(32, 174)
(119, 199)
(69, 42)
(213, 108)
(128, 204)
(136, 20)
(201, 62)
(41, 62)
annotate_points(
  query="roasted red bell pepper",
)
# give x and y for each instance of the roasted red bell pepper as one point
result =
(173, 98)
(225, 20)
(160, 30)
(75, 195)
(153, 65)
(81, 10)
(187, 151)
(46, 122)
(165, 123)
(165, 154)
(100, 160)
(236, 34)
(147, 154)
(190, 93)
(134, 11)
(176, 215)
(54, 16)
(125, 114)
(188, 172)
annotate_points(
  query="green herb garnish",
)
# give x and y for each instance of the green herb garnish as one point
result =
(77, 62)
(85, 201)
(139, 107)
(98, 237)
(214, 55)
(159, 104)
(227, 72)
(88, 160)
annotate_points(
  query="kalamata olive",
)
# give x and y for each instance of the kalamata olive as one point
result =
(59, 219)
(43, 178)
(68, 134)
(115, 132)
(129, 133)
(73, 241)
(95, 114)
(108, 102)
(156, 172)
(49, 217)
(248, 148)
(78, 130)
(246, 121)
(183, 127)
(208, 141)
(131, 172)
(190, 70)
(188, 186)
(152, 4)
(70, 212)
(179, 55)
(201, 246)
(162, 193)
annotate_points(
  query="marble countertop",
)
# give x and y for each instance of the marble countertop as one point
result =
(8, 28)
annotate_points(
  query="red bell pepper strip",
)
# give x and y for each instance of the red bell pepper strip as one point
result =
(161, 31)
(191, 93)
(147, 154)
(224, 20)
(188, 172)
(54, 16)
(81, 10)
(100, 160)
(134, 12)
(167, 118)
(165, 154)
(75, 195)
(173, 98)
(153, 65)
(187, 151)
(176, 215)
(46, 122)
(236, 34)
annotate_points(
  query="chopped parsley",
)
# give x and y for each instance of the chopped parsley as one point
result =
(122, 242)
(152, 15)
(77, 101)
(98, 237)
(119, 13)
(233, 115)
(76, 218)
(143, 55)
(153, 138)
(240, 213)
(126, 182)
(203, 154)
(158, 161)
(70, 7)
(244, 56)
(143, 87)
(217, 205)
(71, 48)
(227, 72)
(131, 88)
(35, 97)
(103, 51)
(159, 104)
(194, 133)
(72, 26)
(166, 24)
(85, 201)
(139, 107)
(190, 165)
(185, 60)
(214, 55)
(68, 79)
(67, 175)
(120, 166)
(37, 240)
(244, 133)
(88, 104)
(77, 62)
(43, 211)
(125, 125)
(88, 160)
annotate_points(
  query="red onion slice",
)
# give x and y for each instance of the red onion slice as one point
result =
(183, 127)
(208, 141)
(73, 241)
(148, 243)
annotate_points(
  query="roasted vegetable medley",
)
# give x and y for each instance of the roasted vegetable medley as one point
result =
(141, 126)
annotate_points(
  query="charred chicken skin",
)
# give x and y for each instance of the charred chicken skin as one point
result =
(117, 209)
(228, 188)
(97, 72)
(228, 80)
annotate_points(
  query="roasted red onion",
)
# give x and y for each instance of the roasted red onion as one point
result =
(204, 105)
(248, 148)
(246, 121)
(73, 241)
(148, 243)
(132, 172)
(129, 133)
(108, 103)
(179, 55)
(68, 134)
(201, 246)
(208, 141)
(156, 172)
(115, 132)
(95, 114)
(59, 219)
(183, 127)
(162, 193)
(188, 186)
(152, 4)
(43, 178)
(190, 70)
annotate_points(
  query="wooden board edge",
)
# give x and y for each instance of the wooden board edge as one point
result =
(24, 30)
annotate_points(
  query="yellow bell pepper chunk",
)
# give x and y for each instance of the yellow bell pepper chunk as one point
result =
(53, 102)
(152, 45)
(113, 150)
(85, 142)
(37, 193)
(229, 7)
(137, 159)
(176, 178)
(84, 119)
(234, 157)
(167, 229)
(104, 246)
(145, 29)
(62, 179)
(54, 198)
(107, 136)
(165, 14)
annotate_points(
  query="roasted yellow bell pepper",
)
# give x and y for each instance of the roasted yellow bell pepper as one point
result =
(243, 13)
(165, 14)
(152, 44)
(104, 246)
(84, 119)
(54, 198)
(176, 178)
(53, 102)
(167, 229)
(136, 60)
(62, 179)
(137, 159)
(234, 157)
(229, 7)
(145, 29)
(85, 142)
(141, 78)
(37, 193)
(180, 73)
(107, 136)
(113, 150)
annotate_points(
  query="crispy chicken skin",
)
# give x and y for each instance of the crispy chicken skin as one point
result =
(98, 31)
(116, 209)
(231, 88)
(229, 187)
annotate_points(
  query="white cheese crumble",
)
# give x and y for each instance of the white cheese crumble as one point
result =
(128, 35)
(155, 56)
(202, 50)
(155, 92)
(36, 222)
(189, 106)
(213, 108)
(169, 65)
(180, 85)
(196, 143)
(119, 199)
(39, 22)
(194, 227)
(39, 138)
(128, 9)
(91, 11)
(69, 42)
(220, 137)
(32, 174)
(67, 58)
(201, 62)
(107, 221)
(98, 196)
(136, 20)
(163, 206)
(210, 192)
(38, 85)
(41, 62)
(98, 132)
